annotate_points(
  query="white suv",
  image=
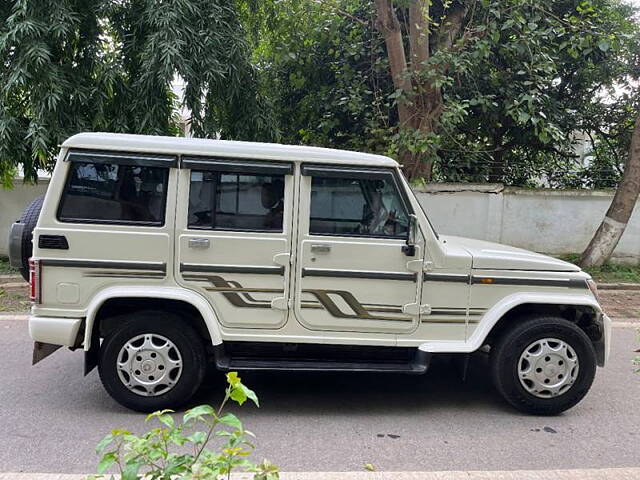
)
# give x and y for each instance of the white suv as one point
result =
(159, 255)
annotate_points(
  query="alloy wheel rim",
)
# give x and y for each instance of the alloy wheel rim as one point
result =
(149, 365)
(548, 368)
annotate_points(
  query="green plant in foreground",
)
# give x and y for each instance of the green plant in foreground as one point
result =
(150, 456)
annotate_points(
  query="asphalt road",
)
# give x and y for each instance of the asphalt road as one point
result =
(51, 417)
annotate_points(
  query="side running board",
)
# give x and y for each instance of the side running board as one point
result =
(418, 365)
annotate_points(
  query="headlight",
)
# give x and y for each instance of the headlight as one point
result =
(593, 286)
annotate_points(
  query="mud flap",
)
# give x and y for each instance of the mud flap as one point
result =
(91, 355)
(42, 351)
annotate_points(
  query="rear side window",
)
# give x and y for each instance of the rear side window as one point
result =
(113, 193)
(369, 207)
(234, 201)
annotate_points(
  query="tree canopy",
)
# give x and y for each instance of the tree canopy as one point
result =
(490, 90)
(109, 65)
(524, 88)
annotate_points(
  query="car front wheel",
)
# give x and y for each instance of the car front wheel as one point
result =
(543, 365)
(152, 361)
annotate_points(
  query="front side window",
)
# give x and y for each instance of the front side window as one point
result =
(231, 201)
(353, 206)
(111, 193)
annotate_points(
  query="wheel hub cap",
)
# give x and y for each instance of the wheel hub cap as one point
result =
(548, 367)
(149, 365)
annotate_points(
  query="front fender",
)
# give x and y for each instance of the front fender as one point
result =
(165, 293)
(495, 313)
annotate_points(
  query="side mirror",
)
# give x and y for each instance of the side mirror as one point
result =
(410, 248)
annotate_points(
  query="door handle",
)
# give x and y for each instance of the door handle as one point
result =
(320, 248)
(198, 243)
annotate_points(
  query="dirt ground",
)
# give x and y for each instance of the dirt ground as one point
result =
(621, 304)
(618, 304)
(14, 300)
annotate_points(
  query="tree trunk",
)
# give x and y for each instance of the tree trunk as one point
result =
(420, 106)
(409, 117)
(419, 33)
(615, 221)
(388, 24)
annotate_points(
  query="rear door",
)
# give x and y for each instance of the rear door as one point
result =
(234, 237)
(351, 272)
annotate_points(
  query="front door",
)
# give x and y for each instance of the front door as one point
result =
(351, 272)
(234, 238)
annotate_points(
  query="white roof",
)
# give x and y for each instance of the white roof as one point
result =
(223, 148)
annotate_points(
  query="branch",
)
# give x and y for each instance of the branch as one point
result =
(419, 33)
(342, 12)
(387, 23)
(557, 151)
(451, 26)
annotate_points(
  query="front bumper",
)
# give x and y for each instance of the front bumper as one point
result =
(55, 330)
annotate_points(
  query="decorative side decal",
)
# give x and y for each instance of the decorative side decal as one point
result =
(241, 297)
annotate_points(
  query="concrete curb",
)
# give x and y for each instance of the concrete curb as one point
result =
(14, 317)
(11, 277)
(634, 324)
(581, 474)
(14, 285)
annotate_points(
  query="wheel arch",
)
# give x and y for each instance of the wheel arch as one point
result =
(154, 297)
(507, 310)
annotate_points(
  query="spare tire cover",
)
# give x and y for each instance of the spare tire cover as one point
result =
(29, 218)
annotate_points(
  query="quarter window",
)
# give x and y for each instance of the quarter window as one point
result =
(231, 201)
(357, 207)
(111, 193)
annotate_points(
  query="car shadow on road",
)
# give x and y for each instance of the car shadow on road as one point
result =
(349, 393)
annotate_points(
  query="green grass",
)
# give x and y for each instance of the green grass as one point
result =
(609, 272)
(5, 268)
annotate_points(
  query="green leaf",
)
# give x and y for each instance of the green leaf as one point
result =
(130, 470)
(238, 395)
(197, 437)
(107, 460)
(251, 394)
(102, 444)
(233, 379)
(523, 117)
(157, 414)
(198, 412)
(231, 420)
(603, 45)
(167, 420)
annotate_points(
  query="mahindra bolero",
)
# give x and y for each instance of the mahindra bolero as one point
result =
(158, 256)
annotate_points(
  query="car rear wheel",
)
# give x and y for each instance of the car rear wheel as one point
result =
(544, 365)
(152, 361)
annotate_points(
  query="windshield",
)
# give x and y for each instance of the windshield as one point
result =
(408, 185)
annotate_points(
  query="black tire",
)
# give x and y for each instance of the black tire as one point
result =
(506, 352)
(172, 327)
(29, 218)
